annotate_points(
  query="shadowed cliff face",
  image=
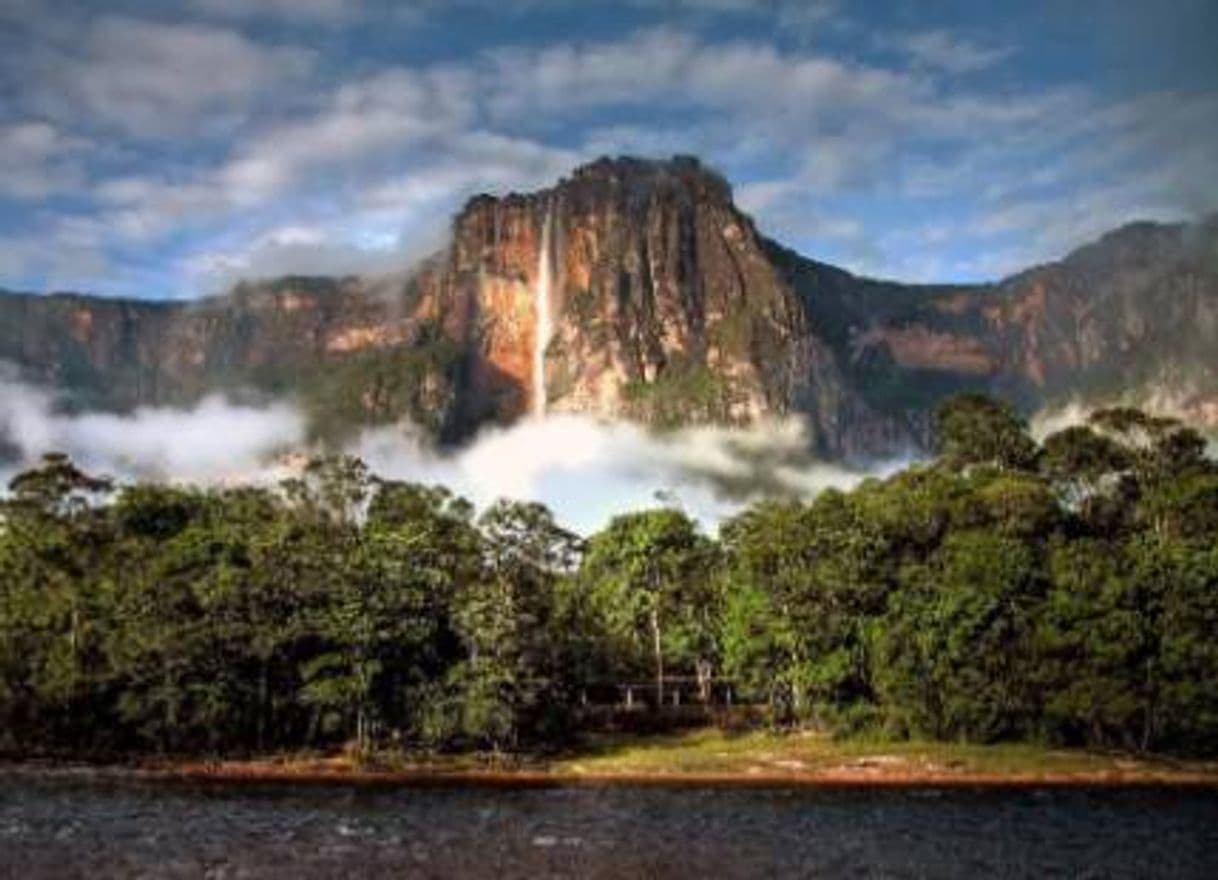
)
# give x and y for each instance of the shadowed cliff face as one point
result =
(667, 307)
(351, 350)
(1134, 314)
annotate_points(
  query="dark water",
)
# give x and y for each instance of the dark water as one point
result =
(53, 827)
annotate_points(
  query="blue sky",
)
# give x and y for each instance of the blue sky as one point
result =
(165, 149)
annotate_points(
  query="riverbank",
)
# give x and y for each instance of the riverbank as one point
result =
(705, 757)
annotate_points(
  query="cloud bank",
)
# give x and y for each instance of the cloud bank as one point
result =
(584, 469)
(588, 470)
(211, 442)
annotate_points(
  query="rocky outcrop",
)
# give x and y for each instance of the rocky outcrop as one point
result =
(665, 305)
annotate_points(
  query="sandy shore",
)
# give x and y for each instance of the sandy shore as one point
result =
(338, 772)
(256, 773)
(843, 776)
(702, 757)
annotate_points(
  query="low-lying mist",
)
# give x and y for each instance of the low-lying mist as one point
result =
(587, 470)
(213, 441)
(584, 469)
(1160, 400)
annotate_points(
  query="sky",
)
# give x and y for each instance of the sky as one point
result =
(165, 149)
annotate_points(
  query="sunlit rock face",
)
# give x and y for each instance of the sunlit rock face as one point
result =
(666, 306)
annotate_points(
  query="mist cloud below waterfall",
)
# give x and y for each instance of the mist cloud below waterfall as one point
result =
(586, 470)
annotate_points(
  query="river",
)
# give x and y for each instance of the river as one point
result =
(79, 827)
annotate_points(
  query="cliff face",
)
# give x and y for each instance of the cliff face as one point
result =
(1133, 315)
(665, 307)
(351, 350)
(636, 289)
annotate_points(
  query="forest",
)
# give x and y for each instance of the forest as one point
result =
(1057, 592)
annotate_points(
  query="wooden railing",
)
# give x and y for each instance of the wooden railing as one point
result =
(678, 691)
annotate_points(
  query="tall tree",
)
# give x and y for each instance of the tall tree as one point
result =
(512, 683)
(55, 531)
(652, 574)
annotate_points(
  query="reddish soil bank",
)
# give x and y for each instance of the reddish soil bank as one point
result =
(327, 772)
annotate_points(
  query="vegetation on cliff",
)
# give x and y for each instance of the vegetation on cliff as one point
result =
(1065, 592)
(685, 393)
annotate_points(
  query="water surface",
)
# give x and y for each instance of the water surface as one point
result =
(64, 828)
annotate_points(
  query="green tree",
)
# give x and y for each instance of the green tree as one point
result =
(972, 429)
(54, 531)
(768, 547)
(1079, 460)
(1189, 651)
(511, 684)
(651, 574)
(954, 650)
(376, 589)
(171, 675)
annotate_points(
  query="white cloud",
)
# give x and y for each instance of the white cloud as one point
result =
(213, 441)
(398, 148)
(1061, 222)
(394, 110)
(378, 161)
(375, 170)
(384, 225)
(587, 471)
(38, 160)
(841, 116)
(292, 10)
(473, 161)
(151, 79)
(759, 85)
(788, 213)
(63, 260)
(376, 120)
(949, 52)
(290, 250)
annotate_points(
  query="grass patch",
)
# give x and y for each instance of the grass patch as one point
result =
(713, 751)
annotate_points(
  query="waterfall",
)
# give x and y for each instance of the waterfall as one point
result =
(545, 323)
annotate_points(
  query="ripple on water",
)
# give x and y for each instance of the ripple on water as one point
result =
(66, 828)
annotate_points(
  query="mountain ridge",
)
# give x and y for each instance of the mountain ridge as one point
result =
(670, 307)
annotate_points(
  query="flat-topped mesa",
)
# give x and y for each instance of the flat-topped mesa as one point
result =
(623, 177)
(663, 305)
(634, 177)
(667, 306)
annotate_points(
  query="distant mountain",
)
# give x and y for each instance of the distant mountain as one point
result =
(656, 300)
